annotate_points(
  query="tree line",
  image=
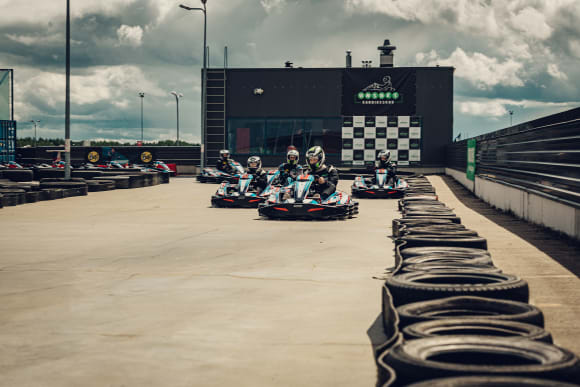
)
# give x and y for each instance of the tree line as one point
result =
(29, 141)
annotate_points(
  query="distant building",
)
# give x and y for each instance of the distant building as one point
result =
(351, 112)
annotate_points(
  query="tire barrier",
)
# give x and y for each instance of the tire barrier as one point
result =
(21, 189)
(475, 326)
(18, 174)
(454, 313)
(465, 355)
(490, 381)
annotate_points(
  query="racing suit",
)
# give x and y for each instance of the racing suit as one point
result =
(330, 174)
(389, 166)
(260, 180)
(225, 166)
(289, 172)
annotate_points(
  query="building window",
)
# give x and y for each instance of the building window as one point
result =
(272, 137)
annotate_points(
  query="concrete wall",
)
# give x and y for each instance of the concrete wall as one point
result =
(523, 204)
(461, 178)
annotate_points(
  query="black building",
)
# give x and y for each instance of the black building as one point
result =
(351, 112)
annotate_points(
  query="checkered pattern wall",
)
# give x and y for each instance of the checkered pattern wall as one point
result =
(364, 136)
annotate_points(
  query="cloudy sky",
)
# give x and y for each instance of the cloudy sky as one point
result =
(519, 55)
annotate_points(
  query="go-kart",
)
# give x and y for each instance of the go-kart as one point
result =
(296, 201)
(214, 175)
(381, 188)
(158, 166)
(242, 194)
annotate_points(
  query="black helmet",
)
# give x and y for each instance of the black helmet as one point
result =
(386, 154)
(224, 154)
(315, 153)
(292, 152)
(254, 163)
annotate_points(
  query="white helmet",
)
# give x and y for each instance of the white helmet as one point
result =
(254, 163)
(386, 154)
(295, 153)
(224, 154)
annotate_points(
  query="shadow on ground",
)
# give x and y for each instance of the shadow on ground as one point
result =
(562, 249)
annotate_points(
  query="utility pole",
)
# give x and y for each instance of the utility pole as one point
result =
(67, 98)
(142, 95)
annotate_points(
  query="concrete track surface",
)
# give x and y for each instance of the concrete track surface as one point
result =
(152, 287)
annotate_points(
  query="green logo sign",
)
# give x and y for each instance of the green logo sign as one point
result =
(471, 145)
(379, 93)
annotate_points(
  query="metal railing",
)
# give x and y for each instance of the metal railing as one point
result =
(544, 159)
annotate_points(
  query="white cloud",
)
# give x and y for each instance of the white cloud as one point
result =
(484, 72)
(554, 71)
(130, 36)
(109, 84)
(497, 107)
(532, 22)
(492, 108)
(271, 5)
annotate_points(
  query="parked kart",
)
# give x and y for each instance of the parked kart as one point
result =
(300, 203)
(214, 175)
(241, 194)
(158, 166)
(13, 165)
(381, 188)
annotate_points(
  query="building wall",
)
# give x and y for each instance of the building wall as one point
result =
(288, 93)
(435, 105)
(312, 96)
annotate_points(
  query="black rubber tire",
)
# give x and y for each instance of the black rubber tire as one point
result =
(469, 307)
(449, 267)
(86, 174)
(441, 240)
(77, 191)
(13, 195)
(446, 251)
(51, 193)
(398, 224)
(446, 259)
(444, 356)
(62, 184)
(164, 178)
(18, 174)
(1, 197)
(453, 218)
(478, 327)
(448, 232)
(32, 196)
(423, 286)
(59, 180)
(121, 182)
(491, 381)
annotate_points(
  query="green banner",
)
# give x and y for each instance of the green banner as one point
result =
(5, 95)
(471, 144)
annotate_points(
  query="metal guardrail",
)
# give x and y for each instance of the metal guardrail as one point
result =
(544, 159)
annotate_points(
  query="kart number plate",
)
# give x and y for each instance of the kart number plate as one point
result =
(298, 205)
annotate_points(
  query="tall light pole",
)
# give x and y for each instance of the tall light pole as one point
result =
(511, 112)
(67, 98)
(203, 79)
(142, 95)
(177, 97)
(35, 122)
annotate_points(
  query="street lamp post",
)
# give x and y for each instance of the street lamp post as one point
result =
(142, 95)
(67, 98)
(203, 80)
(35, 122)
(511, 112)
(177, 97)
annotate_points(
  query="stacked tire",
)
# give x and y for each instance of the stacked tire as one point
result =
(458, 315)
